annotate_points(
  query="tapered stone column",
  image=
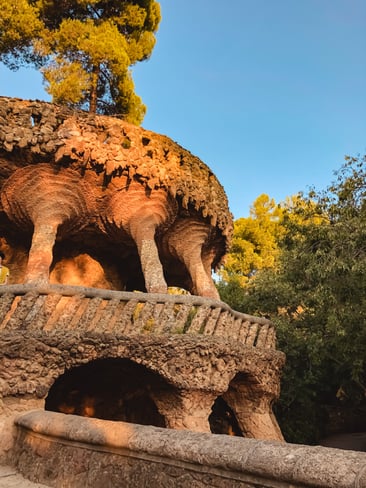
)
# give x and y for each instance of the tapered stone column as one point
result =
(143, 234)
(138, 212)
(253, 411)
(40, 254)
(186, 410)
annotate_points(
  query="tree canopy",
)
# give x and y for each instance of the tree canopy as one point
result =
(254, 245)
(316, 295)
(84, 48)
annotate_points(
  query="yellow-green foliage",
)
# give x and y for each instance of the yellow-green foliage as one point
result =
(19, 25)
(67, 82)
(254, 244)
(148, 326)
(84, 47)
(256, 239)
(191, 316)
(176, 290)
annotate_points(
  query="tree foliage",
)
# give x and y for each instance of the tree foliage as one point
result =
(84, 48)
(316, 295)
(254, 245)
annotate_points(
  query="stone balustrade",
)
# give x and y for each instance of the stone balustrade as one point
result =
(51, 307)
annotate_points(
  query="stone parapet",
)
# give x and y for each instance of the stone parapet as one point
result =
(69, 451)
(60, 307)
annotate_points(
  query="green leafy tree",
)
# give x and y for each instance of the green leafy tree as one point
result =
(84, 48)
(254, 245)
(317, 298)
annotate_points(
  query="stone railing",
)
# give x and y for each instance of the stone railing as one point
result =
(106, 453)
(63, 307)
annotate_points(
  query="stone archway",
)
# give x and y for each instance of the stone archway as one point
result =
(109, 389)
(222, 419)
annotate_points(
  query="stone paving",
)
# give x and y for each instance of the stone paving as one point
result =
(10, 478)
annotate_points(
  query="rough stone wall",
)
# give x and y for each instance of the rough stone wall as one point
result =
(64, 451)
(32, 132)
(193, 372)
(30, 362)
(57, 345)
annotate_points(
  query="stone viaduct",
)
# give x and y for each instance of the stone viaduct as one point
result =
(111, 327)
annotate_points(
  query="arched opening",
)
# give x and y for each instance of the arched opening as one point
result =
(222, 419)
(109, 389)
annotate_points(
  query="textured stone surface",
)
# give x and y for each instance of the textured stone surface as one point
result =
(192, 361)
(191, 372)
(95, 201)
(10, 478)
(130, 455)
(114, 210)
(56, 307)
(46, 333)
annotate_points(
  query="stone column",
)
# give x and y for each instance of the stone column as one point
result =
(253, 410)
(143, 232)
(139, 212)
(46, 198)
(41, 252)
(186, 410)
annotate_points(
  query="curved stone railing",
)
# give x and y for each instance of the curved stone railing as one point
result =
(63, 307)
(132, 455)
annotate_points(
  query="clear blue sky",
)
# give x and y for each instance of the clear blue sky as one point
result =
(271, 94)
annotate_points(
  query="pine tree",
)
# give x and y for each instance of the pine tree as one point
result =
(84, 48)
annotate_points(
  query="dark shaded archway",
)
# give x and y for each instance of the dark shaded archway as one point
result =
(109, 389)
(222, 419)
